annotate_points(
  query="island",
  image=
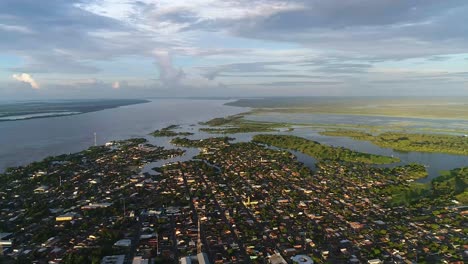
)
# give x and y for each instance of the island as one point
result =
(237, 124)
(440, 143)
(320, 151)
(169, 132)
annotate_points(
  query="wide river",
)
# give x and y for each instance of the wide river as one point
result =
(25, 141)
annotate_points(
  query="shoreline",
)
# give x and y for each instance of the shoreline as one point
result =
(70, 112)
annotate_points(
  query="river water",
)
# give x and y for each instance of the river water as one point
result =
(25, 141)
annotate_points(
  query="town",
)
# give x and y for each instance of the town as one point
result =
(233, 203)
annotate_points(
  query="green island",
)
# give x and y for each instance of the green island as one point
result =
(237, 124)
(169, 132)
(409, 142)
(449, 188)
(320, 151)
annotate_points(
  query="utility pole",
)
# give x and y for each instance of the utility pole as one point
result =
(124, 212)
(157, 244)
(95, 139)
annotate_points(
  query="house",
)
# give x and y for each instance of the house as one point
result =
(66, 217)
(302, 259)
(277, 259)
(41, 189)
(115, 259)
(123, 243)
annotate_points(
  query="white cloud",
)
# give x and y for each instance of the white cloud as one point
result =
(116, 85)
(168, 74)
(26, 78)
(168, 17)
(15, 28)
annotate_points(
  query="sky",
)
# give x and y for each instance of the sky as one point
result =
(157, 48)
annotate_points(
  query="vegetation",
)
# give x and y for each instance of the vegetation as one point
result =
(452, 183)
(320, 151)
(449, 108)
(411, 171)
(248, 128)
(410, 142)
(169, 132)
(201, 143)
(223, 120)
(449, 187)
(237, 124)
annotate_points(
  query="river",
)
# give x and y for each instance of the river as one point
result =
(25, 141)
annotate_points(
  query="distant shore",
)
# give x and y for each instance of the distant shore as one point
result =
(44, 109)
(449, 108)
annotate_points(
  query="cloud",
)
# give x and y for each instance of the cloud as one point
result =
(116, 85)
(201, 43)
(248, 67)
(26, 78)
(168, 74)
(15, 28)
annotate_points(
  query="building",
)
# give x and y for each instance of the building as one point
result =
(203, 258)
(116, 259)
(277, 259)
(66, 217)
(140, 260)
(200, 258)
(123, 243)
(302, 259)
(41, 189)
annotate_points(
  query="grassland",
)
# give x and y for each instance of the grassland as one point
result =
(320, 151)
(409, 142)
(437, 107)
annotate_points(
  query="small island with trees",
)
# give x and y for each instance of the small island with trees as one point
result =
(169, 132)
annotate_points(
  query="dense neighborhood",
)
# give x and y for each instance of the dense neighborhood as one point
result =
(233, 203)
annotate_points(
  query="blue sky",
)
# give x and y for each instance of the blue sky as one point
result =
(146, 48)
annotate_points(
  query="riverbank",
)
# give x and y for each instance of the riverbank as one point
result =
(46, 109)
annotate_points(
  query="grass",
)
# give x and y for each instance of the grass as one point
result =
(441, 107)
(451, 185)
(320, 151)
(409, 142)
